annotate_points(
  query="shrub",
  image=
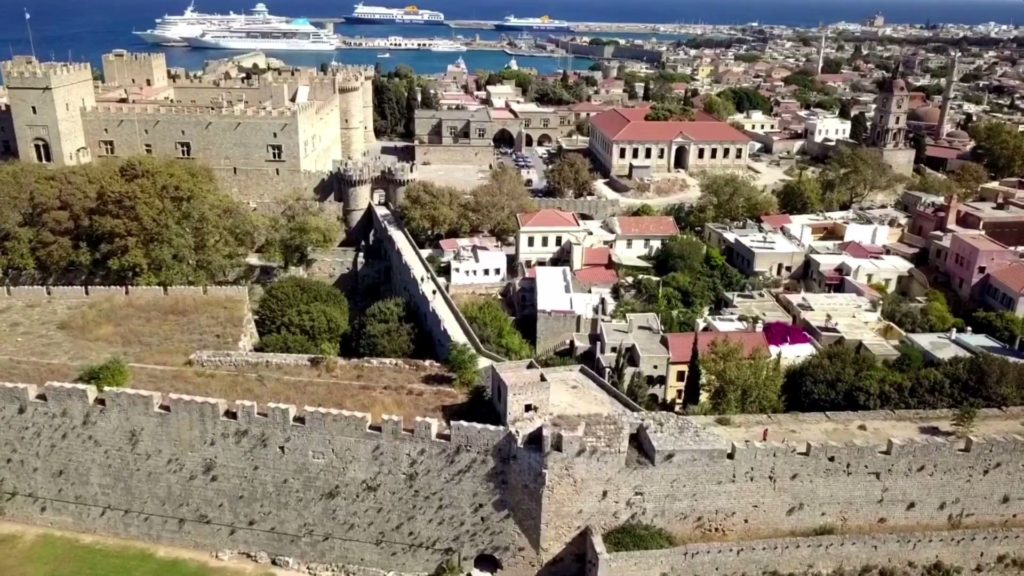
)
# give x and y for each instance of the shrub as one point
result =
(825, 530)
(723, 420)
(113, 373)
(462, 363)
(385, 330)
(312, 314)
(636, 536)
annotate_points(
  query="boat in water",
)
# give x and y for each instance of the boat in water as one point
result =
(363, 14)
(384, 55)
(447, 46)
(175, 30)
(528, 24)
(297, 36)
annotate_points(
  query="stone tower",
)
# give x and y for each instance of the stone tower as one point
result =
(356, 192)
(353, 117)
(368, 106)
(947, 96)
(47, 100)
(889, 127)
(127, 69)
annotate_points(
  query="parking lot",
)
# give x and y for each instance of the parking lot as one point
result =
(531, 164)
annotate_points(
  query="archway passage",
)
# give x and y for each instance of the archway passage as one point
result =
(487, 563)
(504, 139)
(545, 140)
(679, 162)
(528, 141)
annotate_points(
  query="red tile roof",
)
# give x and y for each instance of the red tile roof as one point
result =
(589, 107)
(548, 218)
(647, 226)
(944, 152)
(628, 124)
(597, 256)
(1011, 276)
(776, 220)
(858, 250)
(597, 275)
(680, 345)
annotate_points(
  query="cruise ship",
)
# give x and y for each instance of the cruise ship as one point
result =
(364, 14)
(542, 23)
(175, 30)
(298, 36)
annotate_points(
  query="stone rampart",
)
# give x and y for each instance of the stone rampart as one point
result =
(964, 548)
(78, 292)
(316, 484)
(248, 359)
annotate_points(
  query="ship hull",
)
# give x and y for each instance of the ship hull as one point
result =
(366, 20)
(247, 44)
(158, 39)
(531, 27)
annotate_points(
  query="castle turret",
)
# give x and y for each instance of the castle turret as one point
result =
(46, 101)
(368, 107)
(356, 192)
(127, 69)
(353, 117)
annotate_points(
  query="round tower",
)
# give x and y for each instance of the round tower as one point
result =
(356, 192)
(353, 128)
(368, 107)
(398, 176)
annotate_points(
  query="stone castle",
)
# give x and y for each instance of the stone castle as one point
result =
(327, 486)
(266, 134)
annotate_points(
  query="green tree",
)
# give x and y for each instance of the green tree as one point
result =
(1000, 148)
(462, 362)
(1006, 327)
(300, 308)
(728, 197)
(644, 210)
(681, 253)
(969, 176)
(428, 100)
(571, 177)
(302, 226)
(495, 329)
(634, 536)
(800, 196)
(837, 378)
(668, 111)
(430, 211)
(737, 384)
(637, 391)
(492, 206)
(631, 91)
(920, 145)
(854, 174)
(859, 128)
(933, 316)
(719, 107)
(648, 91)
(745, 99)
(114, 373)
(385, 330)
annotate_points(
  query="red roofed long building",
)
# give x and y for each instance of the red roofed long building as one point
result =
(622, 139)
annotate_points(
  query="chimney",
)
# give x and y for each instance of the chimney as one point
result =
(952, 334)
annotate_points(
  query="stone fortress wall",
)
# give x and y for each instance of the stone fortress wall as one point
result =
(324, 486)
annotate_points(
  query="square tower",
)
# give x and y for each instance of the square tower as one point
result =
(46, 101)
(128, 69)
(889, 127)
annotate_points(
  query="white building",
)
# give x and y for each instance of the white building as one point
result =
(637, 236)
(555, 293)
(827, 271)
(478, 265)
(542, 235)
(822, 128)
(755, 121)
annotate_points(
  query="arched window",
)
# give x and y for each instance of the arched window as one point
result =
(42, 150)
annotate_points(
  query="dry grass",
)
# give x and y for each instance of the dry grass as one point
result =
(155, 330)
(377, 390)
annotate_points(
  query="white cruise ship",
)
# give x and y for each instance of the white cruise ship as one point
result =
(527, 24)
(175, 30)
(447, 46)
(364, 14)
(298, 36)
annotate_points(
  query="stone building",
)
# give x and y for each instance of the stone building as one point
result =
(266, 137)
(889, 126)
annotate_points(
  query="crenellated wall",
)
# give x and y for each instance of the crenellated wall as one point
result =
(312, 483)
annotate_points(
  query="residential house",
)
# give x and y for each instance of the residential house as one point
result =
(755, 121)
(1004, 289)
(474, 265)
(756, 251)
(680, 348)
(942, 346)
(561, 308)
(971, 257)
(637, 343)
(542, 235)
(843, 318)
(831, 272)
(638, 236)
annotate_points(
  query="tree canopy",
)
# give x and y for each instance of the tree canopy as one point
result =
(135, 221)
(495, 328)
(745, 99)
(302, 316)
(800, 196)
(493, 205)
(852, 175)
(385, 331)
(1000, 148)
(571, 177)
(431, 211)
(727, 197)
(932, 316)
(302, 226)
(738, 384)
(720, 108)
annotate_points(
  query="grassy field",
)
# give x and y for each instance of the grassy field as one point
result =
(152, 330)
(50, 555)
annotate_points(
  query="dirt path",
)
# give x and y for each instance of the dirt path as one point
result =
(29, 531)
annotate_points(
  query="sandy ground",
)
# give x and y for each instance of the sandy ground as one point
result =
(462, 177)
(161, 551)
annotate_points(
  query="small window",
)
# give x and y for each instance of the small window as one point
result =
(558, 240)
(148, 149)
(276, 152)
(182, 132)
(647, 243)
(622, 153)
(647, 153)
(526, 123)
(544, 241)
(452, 131)
(34, 111)
(714, 153)
(661, 153)
(739, 153)
(487, 271)
(184, 149)
(700, 153)
(5, 147)
(106, 147)
(497, 271)
(530, 408)
(481, 132)
(544, 122)
(629, 244)
(636, 153)
(274, 134)
(681, 377)
(529, 241)
(725, 153)
(981, 269)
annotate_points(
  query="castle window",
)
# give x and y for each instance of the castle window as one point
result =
(34, 111)
(452, 131)
(148, 149)
(526, 123)
(42, 150)
(184, 149)
(182, 132)
(481, 132)
(106, 147)
(276, 152)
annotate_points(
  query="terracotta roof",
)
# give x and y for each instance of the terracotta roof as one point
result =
(944, 152)
(589, 107)
(1011, 276)
(776, 220)
(858, 250)
(597, 275)
(548, 218)
(647, 226)
(623, 124)
(680, 345)
(597, 256)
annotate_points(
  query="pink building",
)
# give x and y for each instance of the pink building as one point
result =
(973, 256)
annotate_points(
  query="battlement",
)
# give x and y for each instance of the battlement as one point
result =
(369, 169)
(76, 292)
(120, 54)
(30, 73)
(201, 411)
(136, 110)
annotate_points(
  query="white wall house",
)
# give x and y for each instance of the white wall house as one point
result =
(478, 265)
(637, 236)
(543, 234)
(824, 128)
